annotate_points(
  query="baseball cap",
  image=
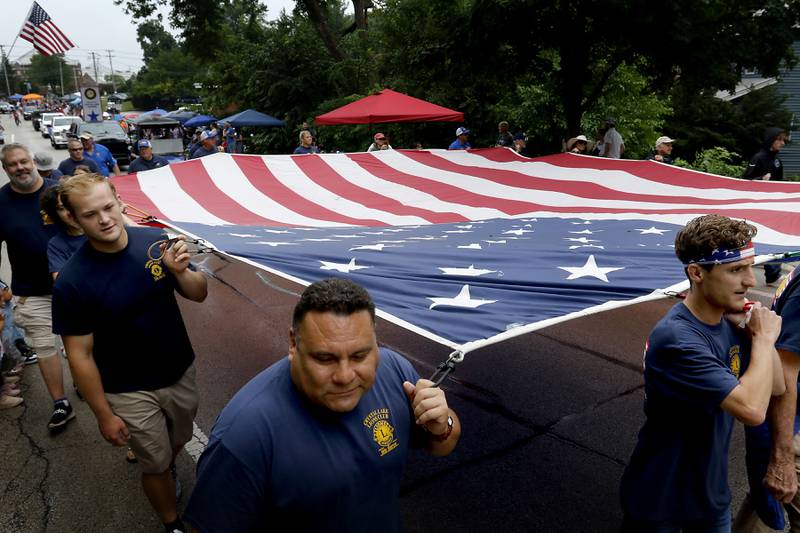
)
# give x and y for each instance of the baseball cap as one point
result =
(379, 137)
(664, 140)
(144, 143)
(581, 138)
(462, 131)
(43, 161)
(86, 135)
(207, 135)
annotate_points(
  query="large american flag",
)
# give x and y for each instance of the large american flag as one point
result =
(42, 32)
(462, 247)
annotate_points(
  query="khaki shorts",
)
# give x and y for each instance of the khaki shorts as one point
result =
(34, 315)
(159, 421)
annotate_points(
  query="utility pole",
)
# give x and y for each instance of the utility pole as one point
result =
(3, 59)
(113, 83)
(61, 72)
(94, 62)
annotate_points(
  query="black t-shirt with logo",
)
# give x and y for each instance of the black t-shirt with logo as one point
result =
(128, 304)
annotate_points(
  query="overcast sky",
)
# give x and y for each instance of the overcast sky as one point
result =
(94, 26)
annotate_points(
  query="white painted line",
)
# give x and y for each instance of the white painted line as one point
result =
(197, 444)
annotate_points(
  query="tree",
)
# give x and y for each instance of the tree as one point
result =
(44, 73)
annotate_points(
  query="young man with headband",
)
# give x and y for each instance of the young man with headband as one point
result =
(701, 370)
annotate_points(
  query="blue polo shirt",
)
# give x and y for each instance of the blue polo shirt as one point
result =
(458, 145)
(679, 468)
(102, 156)
(276, 463)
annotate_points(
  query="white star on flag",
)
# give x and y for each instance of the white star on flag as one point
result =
(243, 235)
(273, 244)
(585, 222)
(318, 240)
(468, 226)
(497, 242)
(376, 247)
(275, 231)
(341, 267)
(582, 240)
(471, 271)
(463, 299)
(652, 230)
(473, 246)
(589, 269)
(348, 236)
(426, 238)
(458, 231)
(584, 232)
(517, 231)
(576, 246)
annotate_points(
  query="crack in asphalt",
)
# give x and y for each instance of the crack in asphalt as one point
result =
(37, 452)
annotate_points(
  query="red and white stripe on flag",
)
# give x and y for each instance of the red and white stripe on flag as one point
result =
(42, 32)
(409, 187)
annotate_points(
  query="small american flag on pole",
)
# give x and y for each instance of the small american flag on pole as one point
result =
(41, 31)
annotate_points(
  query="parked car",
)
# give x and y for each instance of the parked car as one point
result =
(108, 133)
(158, 130)
(47, 122)
(59, 130)
(5, 107)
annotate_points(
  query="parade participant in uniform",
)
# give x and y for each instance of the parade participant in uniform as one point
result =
(26, 237)
(773, 449)
(701, 371)
(319, 439)
(146, 160)
(100, 154)
(126, 342)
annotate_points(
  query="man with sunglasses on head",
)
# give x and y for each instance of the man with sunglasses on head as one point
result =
(114, 306)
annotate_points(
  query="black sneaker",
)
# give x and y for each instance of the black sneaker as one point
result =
(175, 527)
(30, 357)
(62, 413)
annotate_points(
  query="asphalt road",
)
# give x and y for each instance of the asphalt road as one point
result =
(549, 420)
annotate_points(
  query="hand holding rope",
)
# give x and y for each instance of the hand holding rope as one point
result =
(447, 367)
(157, 250)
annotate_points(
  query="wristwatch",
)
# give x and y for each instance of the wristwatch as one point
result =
(444, 436)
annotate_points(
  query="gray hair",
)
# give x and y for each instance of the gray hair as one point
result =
(11, 147)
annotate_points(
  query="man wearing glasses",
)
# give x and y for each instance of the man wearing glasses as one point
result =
(76, 158)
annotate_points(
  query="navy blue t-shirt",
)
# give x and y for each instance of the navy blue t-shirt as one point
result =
(306, 150)
(759, 438)
(140, 341)
(275, 463)
(68, 166)
(679, 468)
(61, 247)
(200, 151)
(26, 236)
(141, 164)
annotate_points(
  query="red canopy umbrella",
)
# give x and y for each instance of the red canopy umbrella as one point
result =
(388, 106)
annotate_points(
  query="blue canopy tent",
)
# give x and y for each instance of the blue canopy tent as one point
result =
(15, 96)
(251, 117)
(199, 120)
(76, 101)
(157, 112)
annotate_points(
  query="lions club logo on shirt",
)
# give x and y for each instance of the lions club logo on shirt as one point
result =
(156, 270)
(383, 433)
(735, 360)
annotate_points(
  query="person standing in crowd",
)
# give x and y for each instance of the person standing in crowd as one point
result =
(108, 335)
(100, 154)
(46, 166)
(146, 160)
(230, 138)
(351, 406)
(10, 393)
(380, 142)
(504, 137)
(773, 448)
(208, 146)
(613, 144)
(767, 166)
(462, 140)
(700, 372)
(76, 158)
(25, 235)
(307, 145)
(578, 145)
(663, 150)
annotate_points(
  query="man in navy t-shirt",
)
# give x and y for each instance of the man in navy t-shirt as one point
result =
(701, 371)
(26, 236)
(318, 441)
(76, 159)
(773, 453)
(114, 305)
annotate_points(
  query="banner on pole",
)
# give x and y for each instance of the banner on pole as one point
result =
(90, 99)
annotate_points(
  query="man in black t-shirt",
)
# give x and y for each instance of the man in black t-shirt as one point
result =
(114, 305)
(26, 236)
(76, 159)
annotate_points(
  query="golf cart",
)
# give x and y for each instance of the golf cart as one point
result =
(161, 132)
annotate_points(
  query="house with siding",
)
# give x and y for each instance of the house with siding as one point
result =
(788, 84)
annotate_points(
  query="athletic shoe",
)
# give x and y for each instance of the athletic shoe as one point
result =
(175, 527)
(62, 413)
(7, 402)
(30, 356)
(31, 359)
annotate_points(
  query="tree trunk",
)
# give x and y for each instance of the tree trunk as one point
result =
(318, 17)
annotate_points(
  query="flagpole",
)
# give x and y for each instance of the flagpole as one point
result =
(61, 72)
(20, 29)
(5, 71)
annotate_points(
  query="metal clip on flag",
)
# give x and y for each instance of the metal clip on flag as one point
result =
(447, 367)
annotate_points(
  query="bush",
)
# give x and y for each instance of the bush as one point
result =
(717, 161)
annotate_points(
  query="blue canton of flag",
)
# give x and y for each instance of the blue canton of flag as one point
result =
(469, 281)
